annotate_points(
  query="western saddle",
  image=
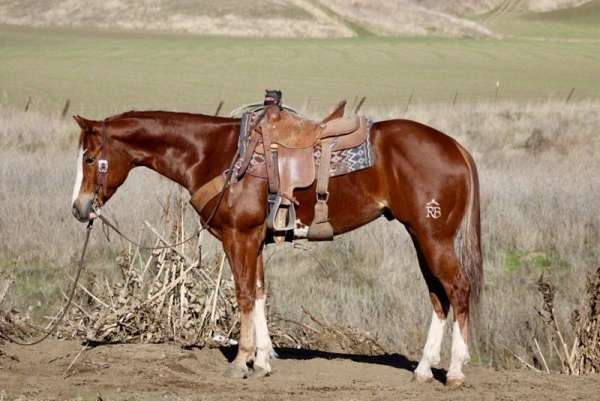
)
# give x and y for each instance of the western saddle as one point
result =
(288, 144)
(296, 152)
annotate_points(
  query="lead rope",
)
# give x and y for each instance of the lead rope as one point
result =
(65, 309)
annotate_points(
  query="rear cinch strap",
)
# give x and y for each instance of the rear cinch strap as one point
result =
(208, 191)
(320, 228)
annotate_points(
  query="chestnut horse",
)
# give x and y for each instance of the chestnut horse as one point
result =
(421, 177)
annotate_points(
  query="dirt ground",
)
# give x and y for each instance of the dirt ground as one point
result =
(167, 372)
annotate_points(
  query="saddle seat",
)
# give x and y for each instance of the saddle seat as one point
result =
(347, 133)
(294, 132)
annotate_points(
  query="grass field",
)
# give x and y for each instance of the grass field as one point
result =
(106, 73)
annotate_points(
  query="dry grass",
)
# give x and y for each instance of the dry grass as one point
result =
(273, 18)
(270, 18)
(470, 7)
(539, 184)
(405, 17)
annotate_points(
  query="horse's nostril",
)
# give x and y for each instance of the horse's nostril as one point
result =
(76, 212)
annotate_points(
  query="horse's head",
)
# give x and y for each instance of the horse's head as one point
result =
(101, 168)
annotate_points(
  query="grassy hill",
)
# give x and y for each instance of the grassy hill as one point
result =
(208, 17)
(587, 13)
(581, 22)
(288, 18)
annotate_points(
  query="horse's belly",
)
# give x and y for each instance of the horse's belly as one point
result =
(354, 200)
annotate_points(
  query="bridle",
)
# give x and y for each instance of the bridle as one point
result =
(102, 169)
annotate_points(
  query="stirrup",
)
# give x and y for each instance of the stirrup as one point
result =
(274, 206)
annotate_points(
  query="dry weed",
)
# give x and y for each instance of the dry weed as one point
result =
(538, 212)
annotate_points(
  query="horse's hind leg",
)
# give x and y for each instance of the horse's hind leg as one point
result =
(439, 300)
(442, 263)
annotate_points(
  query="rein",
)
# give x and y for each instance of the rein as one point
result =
(65, 309)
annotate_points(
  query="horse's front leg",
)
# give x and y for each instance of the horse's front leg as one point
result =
(242, 248)
(264, 347)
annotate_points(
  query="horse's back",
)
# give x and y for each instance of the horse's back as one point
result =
(417, 142)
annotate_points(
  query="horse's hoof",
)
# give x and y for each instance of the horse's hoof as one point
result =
(259, 372)
(422, 379)
(236, 372)
(455, 382)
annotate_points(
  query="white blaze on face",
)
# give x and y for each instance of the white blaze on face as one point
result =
(79, 176)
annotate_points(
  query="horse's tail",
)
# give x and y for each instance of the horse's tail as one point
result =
(469, 235)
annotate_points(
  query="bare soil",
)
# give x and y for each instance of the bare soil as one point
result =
(167, 372)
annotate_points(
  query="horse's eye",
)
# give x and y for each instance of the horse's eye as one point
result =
(89, 160)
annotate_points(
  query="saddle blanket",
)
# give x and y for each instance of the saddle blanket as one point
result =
(342, 161)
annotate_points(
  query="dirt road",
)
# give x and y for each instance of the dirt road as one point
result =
(166, 372)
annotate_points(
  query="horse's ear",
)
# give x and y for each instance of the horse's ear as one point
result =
(84, 124)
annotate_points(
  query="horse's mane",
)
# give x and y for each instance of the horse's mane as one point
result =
(153, 114)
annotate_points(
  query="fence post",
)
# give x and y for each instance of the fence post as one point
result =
(362, 101)
(219, 107)
(410, 98)
(65, 109)
(570, 95)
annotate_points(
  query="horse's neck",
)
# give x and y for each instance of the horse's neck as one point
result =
(190, 156)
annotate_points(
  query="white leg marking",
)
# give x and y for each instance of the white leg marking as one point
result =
(433, 346)
(79, 177)
(264, 348)
(460, 353)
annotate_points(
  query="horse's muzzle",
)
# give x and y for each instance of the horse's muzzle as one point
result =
(82, 208)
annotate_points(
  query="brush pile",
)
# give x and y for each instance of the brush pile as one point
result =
(586, 323)
(166, 296)
(322, 335)
(582, 355)
(174, 295)
(12, 323)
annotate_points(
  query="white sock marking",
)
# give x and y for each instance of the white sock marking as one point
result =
(260, 323)
(261, 330)
(433, 346)
(79, 177)
(460, 353)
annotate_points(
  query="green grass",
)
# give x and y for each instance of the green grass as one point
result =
(104, 73)
(254, 9)
(575, 23)
(587, 13)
